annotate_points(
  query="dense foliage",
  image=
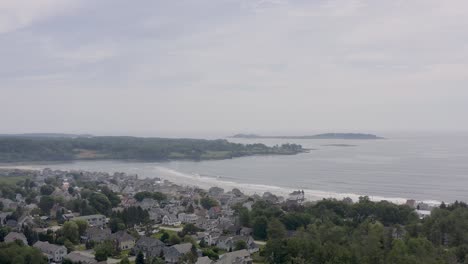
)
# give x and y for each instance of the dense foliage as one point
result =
(152, 195)
(13, 149)
(332, 231)
(16, 252)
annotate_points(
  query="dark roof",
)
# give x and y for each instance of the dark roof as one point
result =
(122, 236)
(149, 242)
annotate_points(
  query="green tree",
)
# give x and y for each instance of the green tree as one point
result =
(189, 229)
(240, 244)
(276, 229)
(100, 202)
(140, 258)
(125, 261)
(104, 249)
(174, 239)
(260, 227)
(208, 202)
(210, 253)
(164, 237)
(100, 254)
(71, 232)
(18, 253)
(47, 189)
(82, 226)
(46, 203)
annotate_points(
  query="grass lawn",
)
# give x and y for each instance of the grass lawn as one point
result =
(160, 233)
(257, 258)
(80, 247)
(216, 155)
(12, 180)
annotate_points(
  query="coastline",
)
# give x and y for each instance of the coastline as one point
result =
(206, 182)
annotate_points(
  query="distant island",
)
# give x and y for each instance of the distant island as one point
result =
(359, 136)
(64, 147)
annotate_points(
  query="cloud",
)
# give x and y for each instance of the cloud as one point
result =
(237, 64)
(17, 14)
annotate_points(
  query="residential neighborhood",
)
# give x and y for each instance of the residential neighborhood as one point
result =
(95, 217)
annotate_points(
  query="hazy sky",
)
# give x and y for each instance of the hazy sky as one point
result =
(181, 68)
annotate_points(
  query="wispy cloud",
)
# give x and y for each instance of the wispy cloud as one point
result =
(17, 14)
(238, 64)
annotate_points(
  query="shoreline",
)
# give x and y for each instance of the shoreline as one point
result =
(206, 182)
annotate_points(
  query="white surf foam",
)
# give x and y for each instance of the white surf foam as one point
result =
(207, 182)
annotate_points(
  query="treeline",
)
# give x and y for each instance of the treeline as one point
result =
(332, 231)
(16, 149)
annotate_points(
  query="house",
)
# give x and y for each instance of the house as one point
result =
(97, 234)
(93, 220)
(209, 238)
(25, 220)
(228, 243)
(188, 218)
(8, 204)
(170, 220)
(411, 203)
(13, 236)
(246, 231)
(296, 196)
(204, 260)
(150, 247)
(3, 217)
(236, 257)
(225, 243)
(214, 212)
(53, 252)
(77, 257)
(123, 240)
(173, 253)
(215, 191)
(156, 214)
(227, 224)
(248, 205)
(207, 224)
(148, 203)
(423, 213)
(65, 195)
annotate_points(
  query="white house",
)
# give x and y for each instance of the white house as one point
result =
(171, 220)
(188, 218)
(93, 220)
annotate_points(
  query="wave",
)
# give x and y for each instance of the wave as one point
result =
(203, 181)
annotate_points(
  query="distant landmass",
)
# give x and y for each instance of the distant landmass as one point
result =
(46, 135)
(66, 147)
(318, 136)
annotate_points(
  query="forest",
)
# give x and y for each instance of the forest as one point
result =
(24, 149)
(332, 231)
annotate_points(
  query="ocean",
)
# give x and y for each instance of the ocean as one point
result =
(428, 167)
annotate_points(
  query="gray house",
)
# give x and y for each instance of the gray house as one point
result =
(236, 257)
(173, 253)
(96, 234)
(13, 236)
(54, 253)
(123, 240)
(150, 247)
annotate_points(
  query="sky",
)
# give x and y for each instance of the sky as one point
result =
(217, 67)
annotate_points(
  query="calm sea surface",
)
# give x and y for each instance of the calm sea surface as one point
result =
(429, 168)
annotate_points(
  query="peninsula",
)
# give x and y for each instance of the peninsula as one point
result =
(39, 148)
(358, 136)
